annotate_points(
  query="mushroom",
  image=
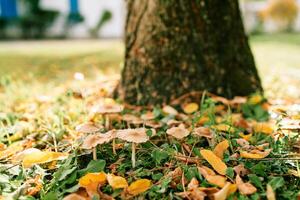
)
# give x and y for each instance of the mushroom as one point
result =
(136, 136)
(91, 141)
(108, 107)
(178, 132)
(132, 119)
(87, 128)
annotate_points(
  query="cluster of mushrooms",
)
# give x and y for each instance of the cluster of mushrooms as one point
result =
(134, 136)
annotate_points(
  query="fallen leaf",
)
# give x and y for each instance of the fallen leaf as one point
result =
(270, 193)
(223, 128)
(244, 188)
(245, 137)
(232, 189)
(255, 154)
(91, 181)
(211, 177)
(190, 108)
(139, 187)
(263, 127)
(194, 183)
(221, 148)
(203, 132)
(42, 157)
(214, 161)
(223, 193)
(255, 99)
(116, 182)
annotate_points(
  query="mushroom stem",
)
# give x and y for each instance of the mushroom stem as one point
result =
(95, 153)
(114, 146)
(106, 121)
(133, 155)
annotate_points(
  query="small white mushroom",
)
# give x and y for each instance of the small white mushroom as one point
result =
(136, 136)
(91, 141)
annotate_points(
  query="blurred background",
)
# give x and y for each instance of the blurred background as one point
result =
(52, 40)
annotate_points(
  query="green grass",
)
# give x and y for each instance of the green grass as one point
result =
(276, 55)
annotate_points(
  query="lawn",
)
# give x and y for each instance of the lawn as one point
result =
(58, 136)
(277, 58)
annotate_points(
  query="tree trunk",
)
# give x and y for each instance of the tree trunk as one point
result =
(177, 46)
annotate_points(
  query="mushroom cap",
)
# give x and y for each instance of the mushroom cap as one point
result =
(178, 132)
(169, 110)
(148, 116)
(107, 106)
(92, 141)
(87, 128)
(137, 135)
(132, 119)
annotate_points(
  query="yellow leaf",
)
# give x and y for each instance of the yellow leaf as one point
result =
(232, 189)
(217, 180)
(214, 161)
(221, 148)
(257, 155)
(42, 157)
(263, 127)
(11, 150)
(223, 193)
(203, 120)
(255, 99)
(270, 193)
(223, 128)
(245, 137)
(116, 182)
(190, 108)
(91, 181)
(139, 186)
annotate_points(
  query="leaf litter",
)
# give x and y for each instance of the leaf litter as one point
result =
(82, 144)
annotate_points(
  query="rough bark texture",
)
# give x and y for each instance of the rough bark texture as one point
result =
(177, 46)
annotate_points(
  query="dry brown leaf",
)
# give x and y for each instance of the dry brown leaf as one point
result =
(74, 196)
(221, 148)
(244, 188)
(203, 132)
(194, 183)
(241, 170)
(214, 161)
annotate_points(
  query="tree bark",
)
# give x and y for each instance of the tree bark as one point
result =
(177, 46)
